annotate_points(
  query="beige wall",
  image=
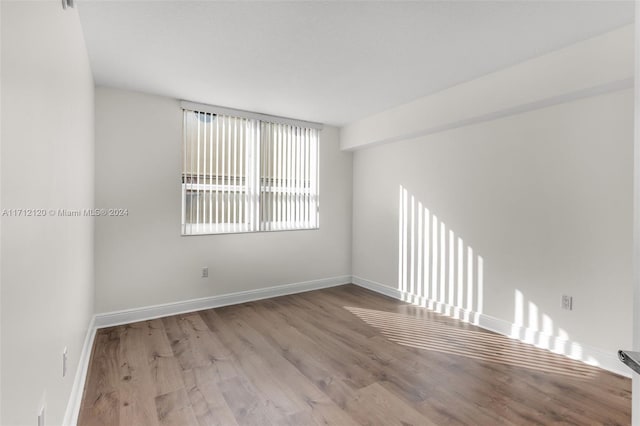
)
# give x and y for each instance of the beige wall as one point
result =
(46, 163)
(142, 260)
(543, 197)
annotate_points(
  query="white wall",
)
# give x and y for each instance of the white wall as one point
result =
(543, 197)
(142, 260)
(586, 67)
(46, 163)
(635, 390)
(0, 219)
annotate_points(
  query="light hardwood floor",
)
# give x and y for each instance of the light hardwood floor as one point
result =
(340, 356)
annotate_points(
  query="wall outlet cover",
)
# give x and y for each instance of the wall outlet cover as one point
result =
(567, 302)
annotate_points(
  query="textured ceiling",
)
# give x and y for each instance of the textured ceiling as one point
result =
(331, 62)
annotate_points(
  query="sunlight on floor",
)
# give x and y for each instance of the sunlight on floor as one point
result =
(433, 335)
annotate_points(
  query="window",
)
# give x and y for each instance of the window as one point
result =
(245, 172)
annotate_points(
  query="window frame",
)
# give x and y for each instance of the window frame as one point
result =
(260, 188)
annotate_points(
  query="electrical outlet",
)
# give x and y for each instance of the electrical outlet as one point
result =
(64, 362)
(567, 302)
(41, 417)
(205, 272)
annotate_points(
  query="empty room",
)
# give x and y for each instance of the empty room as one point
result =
(319, 213)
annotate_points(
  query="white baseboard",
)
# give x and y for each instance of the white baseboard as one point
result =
(75, 399)
(588, 354)
(157, 311)
(377, 287)
(574, 350)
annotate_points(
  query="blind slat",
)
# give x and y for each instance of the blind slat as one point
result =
(279, 197)
(223, 174)
(217, 167)
(184, 167)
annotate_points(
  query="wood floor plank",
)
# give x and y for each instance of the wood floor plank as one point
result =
(256, 376)
(174, 409)
(207, 401)
(248, 406)
(299, 344)
(358, 349)
(374, 405)
(339, 356)
(206, 349)
(441, 413)
(166, 373)
(137, 390)
(101, 401)
(185, 350)
(268, 371)
(310, 359)
(310, 398)
(304, 418)
(323, 329)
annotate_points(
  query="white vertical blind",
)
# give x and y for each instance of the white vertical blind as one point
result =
(245, 175)
(289, 190)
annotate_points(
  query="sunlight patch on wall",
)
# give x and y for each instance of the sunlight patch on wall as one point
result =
(530, 325)
(436, 268)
